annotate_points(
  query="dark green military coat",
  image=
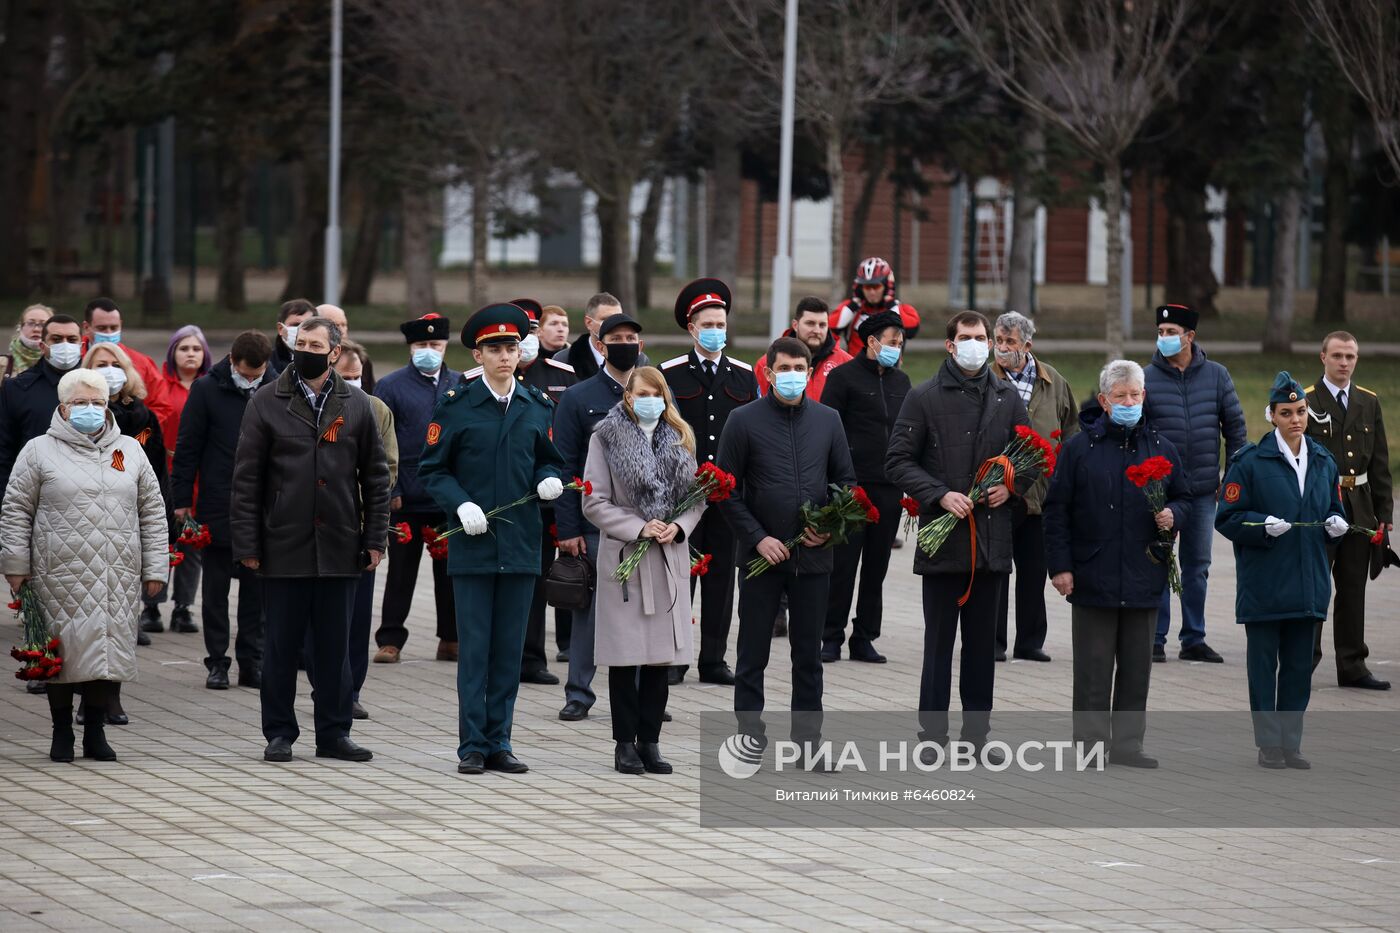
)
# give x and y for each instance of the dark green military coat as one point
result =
(1356, 440)
(473, 453)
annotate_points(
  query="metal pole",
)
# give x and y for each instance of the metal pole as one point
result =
(331, 291)
(782, 261)
(1151, 222)
(971, 254)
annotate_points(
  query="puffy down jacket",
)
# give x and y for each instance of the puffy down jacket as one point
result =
(1192, 409)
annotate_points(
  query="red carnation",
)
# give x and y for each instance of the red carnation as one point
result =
(1056, 435)
(403, 532)
(872, 515)
(911, 505)
(1378, 537)
(428, 533)
(15, 605)
(1024, 431)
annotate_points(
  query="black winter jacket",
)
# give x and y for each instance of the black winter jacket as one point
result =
(1098, 525)
(782, 456)
(135, 420)
(205, 450)
(26, 408)
(945, 431)
(868, 401)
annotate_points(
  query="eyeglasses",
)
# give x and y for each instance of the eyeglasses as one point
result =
(86, 403)
(33, 325)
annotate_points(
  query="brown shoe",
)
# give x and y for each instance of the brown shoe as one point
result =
(387, 655)
(447, 651)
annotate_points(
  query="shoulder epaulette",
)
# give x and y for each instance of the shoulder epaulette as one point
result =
(675, 362)
(1248, 446)
(1364, 389)
(471, 374)
(551, 361)
(741, 364)
(537, 393)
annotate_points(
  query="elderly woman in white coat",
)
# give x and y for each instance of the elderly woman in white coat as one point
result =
(83, 521)
(641, 462)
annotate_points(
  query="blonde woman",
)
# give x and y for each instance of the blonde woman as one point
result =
(641, 462)
(27, 346)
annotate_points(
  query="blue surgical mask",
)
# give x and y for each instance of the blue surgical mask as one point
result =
(712, 339)
(790, 385)
(1126, 415)
(888, 357)
(1169, 346)
(115, 337)
(88, 419)
(427, 360)
(971, 354)
(648, 409)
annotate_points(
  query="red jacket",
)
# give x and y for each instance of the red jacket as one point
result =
(824, 361)
(175, 395)
(849, 314)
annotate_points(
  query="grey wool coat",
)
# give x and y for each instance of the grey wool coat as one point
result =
(85, 521)
(647, 621)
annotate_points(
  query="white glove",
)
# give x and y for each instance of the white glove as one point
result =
(1336, 526)
(550, 488)
(472, 518)
(1274, 527)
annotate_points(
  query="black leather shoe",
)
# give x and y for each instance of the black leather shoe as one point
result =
(650, 754)
(831, 652)
(249, 677)
(1272, 758)
(279, 749)
(117, 717)
(1201, 652)
(1131, 760)
(472, 763)
(357, 711)
(181, 621)
(573, 711)
(990, 756)
(345, 749)
(1295, 760)
(626, 760)
(675, 674)
(1001, 655)
(150, 620)
(1031, 654)
(1159, 653)
(538, 677)
(716, 674)
(142, 639)
(562, 656)
(862, 650)
(1368, 682)
(505, 761)
(218, 678)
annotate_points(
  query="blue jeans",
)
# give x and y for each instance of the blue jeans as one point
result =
(1193, 554)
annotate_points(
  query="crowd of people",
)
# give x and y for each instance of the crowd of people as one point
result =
(284, 465)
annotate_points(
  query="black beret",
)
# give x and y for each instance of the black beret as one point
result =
(430, 326)
(495, 322)
(1180, 315)
(878, 322)
(615, 321)
(702, 293)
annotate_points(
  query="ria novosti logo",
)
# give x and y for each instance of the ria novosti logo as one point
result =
(740, 756)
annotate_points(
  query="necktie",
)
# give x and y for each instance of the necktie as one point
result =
(504, 403)
(1342, 399)
(709, 369)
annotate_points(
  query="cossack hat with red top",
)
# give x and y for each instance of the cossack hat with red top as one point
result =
(699, 295)
(1180, 315)
(494, 323)
(431, 326)
(532, 308)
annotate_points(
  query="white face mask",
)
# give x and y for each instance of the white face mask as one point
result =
(64, 355)
(290, 338)
(971, 354)
(356, 382)
(115, 376)
(529, 349)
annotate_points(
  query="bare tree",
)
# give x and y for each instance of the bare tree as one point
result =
(1103, 64)
(1364, 37)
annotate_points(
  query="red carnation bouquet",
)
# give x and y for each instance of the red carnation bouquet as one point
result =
(402, 532)
(1151, 477)
(699, 563)
(193, 534)
(911, 514)
(844, 513)
(176, 556)
(442, 534)
(711, 484)
(39, 657)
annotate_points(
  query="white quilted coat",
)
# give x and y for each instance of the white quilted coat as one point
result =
(86, 534)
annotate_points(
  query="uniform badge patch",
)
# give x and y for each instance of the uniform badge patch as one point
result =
(118, 461)
(1232, 492)
(434, 433)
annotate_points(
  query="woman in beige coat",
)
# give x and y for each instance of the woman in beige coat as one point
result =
(641, 462)
(84, 521)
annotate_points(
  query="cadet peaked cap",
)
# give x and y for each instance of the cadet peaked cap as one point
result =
(612, 323)
(698, 295)
(532, 308)
(1180, 315)
(1286, 389)
(495, 322)
(431, 326)
(878, 322)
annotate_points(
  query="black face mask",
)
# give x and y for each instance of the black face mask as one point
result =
(311, 365)
(623, 356)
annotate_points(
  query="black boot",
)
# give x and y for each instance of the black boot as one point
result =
(626, 760)
(116, 716)
(650, 754)
(218, 674)
(62, 747)
(95, 737)
(181, 621)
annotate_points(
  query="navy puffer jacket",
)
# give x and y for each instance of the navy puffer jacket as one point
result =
(1192, 409)
(1098, 525)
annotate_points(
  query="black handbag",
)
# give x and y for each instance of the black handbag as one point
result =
(570, 583)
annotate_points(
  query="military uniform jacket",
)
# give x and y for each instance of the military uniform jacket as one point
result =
(706, 403)
(547, 374)
(474, 453)
(1356, 440)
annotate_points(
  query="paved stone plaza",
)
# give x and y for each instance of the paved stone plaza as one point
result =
(192, 830)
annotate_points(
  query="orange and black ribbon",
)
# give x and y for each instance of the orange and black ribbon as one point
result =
(1008, 480)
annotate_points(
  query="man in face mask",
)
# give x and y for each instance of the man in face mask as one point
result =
(411, 393)
(27, 401)
(619, 343)
(102, 323)
(584, 354)
(948, 427)
(289, 318)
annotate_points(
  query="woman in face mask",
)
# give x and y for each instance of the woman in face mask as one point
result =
(27, 347)
(125, 391)
(84, 524)
(641, 462)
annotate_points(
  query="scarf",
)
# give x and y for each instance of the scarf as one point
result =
(654, 473)
(24, 357)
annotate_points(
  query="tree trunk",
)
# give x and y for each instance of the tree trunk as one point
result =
(421, 292)
(1283, 282)
(306, 262)
(1190, 279)
(1020, 272)
(364, 258)
(26, 27)
(1113, 294)
(646, 238)
(479, 278)
(228, 234)
(619, 251)
(607, 269)
(725, 184)
(834, 170)
(874, 167)
(1337, 129)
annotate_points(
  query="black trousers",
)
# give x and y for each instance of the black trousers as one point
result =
(219, 569)
(758, 603)
(1112, 671)
(1351, 567)
(870, 548)
(1028, 554)
(294, 606)
(977, 670)
(403, 576)
(534, 658)
(638, 696)
(713, 536)
(361, 616)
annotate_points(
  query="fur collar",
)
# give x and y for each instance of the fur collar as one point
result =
(655, 475)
